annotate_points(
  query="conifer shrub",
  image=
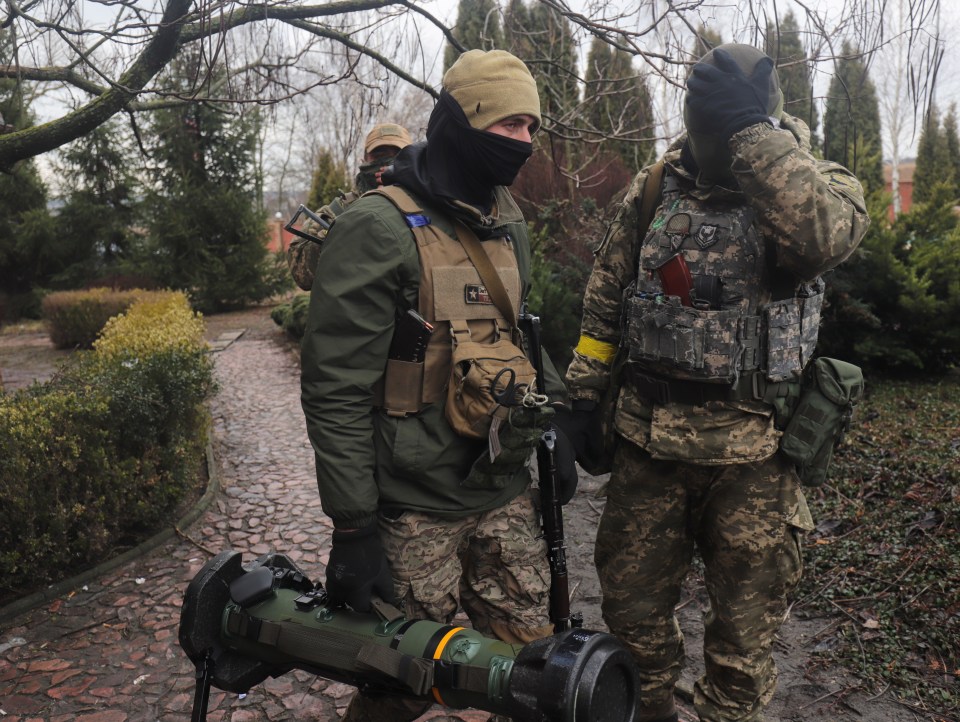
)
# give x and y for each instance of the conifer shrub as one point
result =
(100, 457)
(75, 318)
(292, 316)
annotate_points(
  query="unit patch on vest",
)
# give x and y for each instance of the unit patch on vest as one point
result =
(474, 293)
(706, 235)
(677, 228)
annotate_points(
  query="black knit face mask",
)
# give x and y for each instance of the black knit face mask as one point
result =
(465, 163)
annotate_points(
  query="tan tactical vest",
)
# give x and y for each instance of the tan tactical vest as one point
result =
(742, 319)
(451, 298)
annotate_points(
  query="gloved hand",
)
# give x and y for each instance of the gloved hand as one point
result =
(582, 426)
(564, 455)
(358, 568)
(722, 100)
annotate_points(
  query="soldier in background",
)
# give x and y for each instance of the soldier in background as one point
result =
(381, 146)
(720, 300)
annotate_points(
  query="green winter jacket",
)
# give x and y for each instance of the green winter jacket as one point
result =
(366, 460)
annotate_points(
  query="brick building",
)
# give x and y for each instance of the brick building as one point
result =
(905, 184)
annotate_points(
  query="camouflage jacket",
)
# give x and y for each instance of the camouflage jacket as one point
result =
(811, 216)
(302, 253)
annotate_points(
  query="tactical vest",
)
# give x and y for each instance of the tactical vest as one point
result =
(453, 299)
(742, 319)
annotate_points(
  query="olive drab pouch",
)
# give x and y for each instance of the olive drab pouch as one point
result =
(479, 374)
(829, 392)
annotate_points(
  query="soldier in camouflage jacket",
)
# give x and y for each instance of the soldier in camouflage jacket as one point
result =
(749, 220)
(381, 146)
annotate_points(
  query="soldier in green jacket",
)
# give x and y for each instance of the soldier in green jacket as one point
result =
(419, 515)
(713, 306)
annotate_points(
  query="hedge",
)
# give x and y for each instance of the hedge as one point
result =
(98, 458)
(75, 318)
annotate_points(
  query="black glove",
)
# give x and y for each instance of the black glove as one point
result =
(722, 100)
(358, 569)
(584, 429)
(564, 456)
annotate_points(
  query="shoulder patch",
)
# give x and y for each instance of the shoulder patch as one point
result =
(843, 181)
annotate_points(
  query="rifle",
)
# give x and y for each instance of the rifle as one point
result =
(302, 210)
(551, 510)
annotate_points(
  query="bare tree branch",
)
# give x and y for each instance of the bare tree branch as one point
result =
(275, 51)
(33, 141)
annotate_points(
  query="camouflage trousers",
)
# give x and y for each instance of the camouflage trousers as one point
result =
(745, 522)
(492, 565)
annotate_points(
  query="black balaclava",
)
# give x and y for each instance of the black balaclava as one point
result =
(464, 163)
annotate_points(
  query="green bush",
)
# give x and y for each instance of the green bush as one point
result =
(292, 316)
(74, 318)
(889, 307)
(99, 457)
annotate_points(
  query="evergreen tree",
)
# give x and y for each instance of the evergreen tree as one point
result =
(952, 142)
(478, 27)
(329, 180)
(704, 41)
(516, 34)
(851, 123)
(29, 246)
(932, 158)
(886, 307)
(207, 235)
(553, 61)
(618, 104)
(100, 208)
(784, 46)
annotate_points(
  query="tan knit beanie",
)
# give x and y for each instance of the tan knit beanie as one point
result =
(492, 85)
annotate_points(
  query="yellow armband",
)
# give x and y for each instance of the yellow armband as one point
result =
(599, 350)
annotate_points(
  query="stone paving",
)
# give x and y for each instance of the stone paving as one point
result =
(108, 652)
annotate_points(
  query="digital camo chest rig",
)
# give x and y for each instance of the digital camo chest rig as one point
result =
(454, 300)
(732, 320)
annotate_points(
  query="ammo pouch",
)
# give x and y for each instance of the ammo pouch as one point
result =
(470, 403)
(667, 337)
(402, 387)
(829, 392)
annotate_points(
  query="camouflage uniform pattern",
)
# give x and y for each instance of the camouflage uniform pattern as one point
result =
(491, 564)
(745, 520)
(304, 254)
(707, 477)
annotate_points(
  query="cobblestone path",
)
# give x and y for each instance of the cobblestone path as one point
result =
(109, 653)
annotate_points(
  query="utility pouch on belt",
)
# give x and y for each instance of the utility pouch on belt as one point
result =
(830, 391)
(471, 405)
